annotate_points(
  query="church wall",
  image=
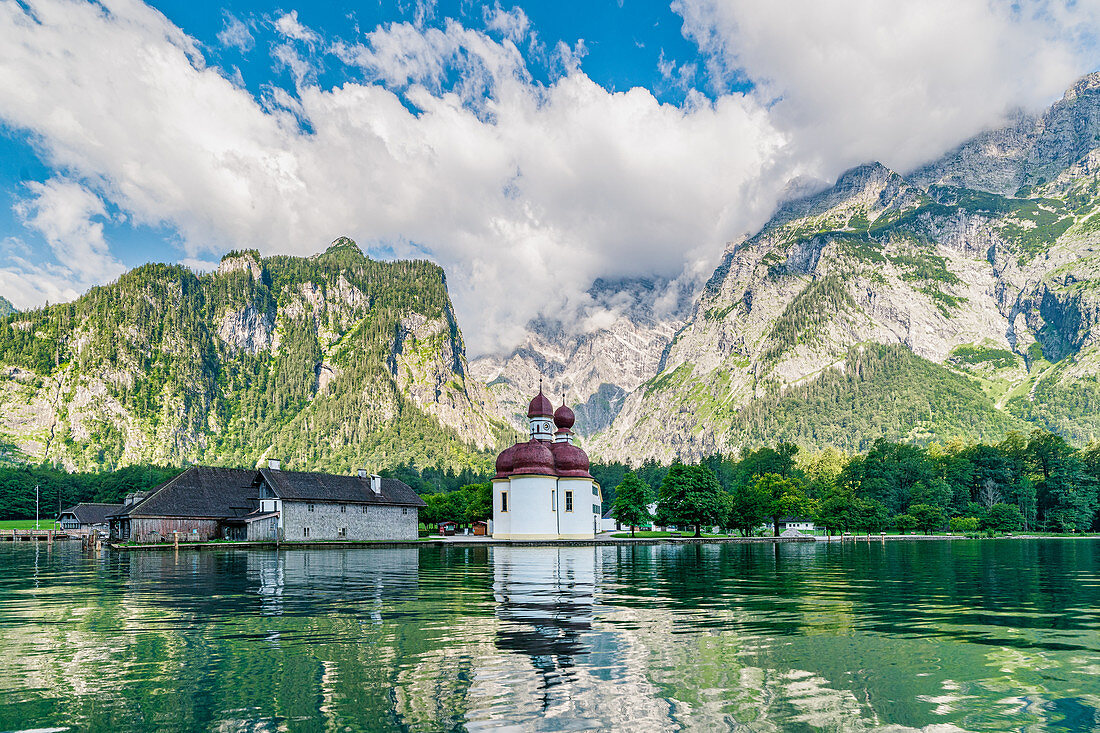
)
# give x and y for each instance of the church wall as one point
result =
(581, 522)
(530, 506)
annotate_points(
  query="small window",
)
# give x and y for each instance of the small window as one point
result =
(305, 530)
(343, 508)
(597, 509)
(595, 491)
(364, 508)
(309, 507)
(568, 501)
(404, 510)
(504, 501)
(553, 500)
(343, 532)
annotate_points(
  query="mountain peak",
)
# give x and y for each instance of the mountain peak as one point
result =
(342, 245)
(237, 260)
(6, 308)
(1086, 83)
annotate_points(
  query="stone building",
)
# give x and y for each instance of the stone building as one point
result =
(267, 504)
(542, 488)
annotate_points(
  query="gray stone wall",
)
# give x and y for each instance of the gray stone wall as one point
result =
(362, 522)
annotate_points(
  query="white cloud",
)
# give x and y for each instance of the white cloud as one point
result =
(290, 27)
(65, 213)
(69, 218)
(524, 192)
(512, 24)
(235, 34)
(900, 82)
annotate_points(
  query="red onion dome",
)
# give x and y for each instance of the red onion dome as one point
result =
(540, 406)
(570, 461)
(564, 417)
(533, 457)
(505, 461)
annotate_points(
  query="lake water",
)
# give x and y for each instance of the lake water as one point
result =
(970, 635)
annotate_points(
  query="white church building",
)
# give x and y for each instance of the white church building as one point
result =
(542, 489)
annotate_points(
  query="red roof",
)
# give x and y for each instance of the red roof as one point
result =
(533, 457)
(564, 417)
(570, 461)
(540, 406)
(505, 461)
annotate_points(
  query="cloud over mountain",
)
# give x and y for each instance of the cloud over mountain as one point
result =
(443, 144)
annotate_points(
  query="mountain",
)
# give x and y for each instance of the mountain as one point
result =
(329, 362)
(958, 300)
(6, 308)
(596, 368)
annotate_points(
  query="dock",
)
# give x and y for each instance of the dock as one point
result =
(32, 535)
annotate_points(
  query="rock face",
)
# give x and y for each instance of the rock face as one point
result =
(332, 362)
(6, 308)
(596, 368)
(984, 263)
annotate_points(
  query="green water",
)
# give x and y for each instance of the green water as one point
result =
(971, 635)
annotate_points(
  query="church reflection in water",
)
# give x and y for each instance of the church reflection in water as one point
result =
(546, 604)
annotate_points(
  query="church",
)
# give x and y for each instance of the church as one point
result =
(542, 489)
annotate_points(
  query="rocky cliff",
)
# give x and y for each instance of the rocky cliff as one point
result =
(332, 362)
(605, 352)
(982, 267)
(6, 308)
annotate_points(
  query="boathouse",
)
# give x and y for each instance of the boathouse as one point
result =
(86, 518)
(204, 503)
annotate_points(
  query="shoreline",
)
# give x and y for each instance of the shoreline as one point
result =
(489, 542)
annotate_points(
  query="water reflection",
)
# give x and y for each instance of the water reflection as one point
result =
(965, 635)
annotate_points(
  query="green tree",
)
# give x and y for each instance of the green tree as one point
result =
(1003, 518)
(786, 497)
(905, 523)
(869, 515)
(631, 505)
(835, 511)
(478, 502)
(690, 496)
(747, 508)
(929, 518)
(963, 525)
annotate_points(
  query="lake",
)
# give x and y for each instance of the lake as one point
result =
(953, 635)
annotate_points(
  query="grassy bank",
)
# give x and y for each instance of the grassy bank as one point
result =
(8, 524)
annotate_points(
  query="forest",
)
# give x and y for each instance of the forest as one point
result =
(1035, 482)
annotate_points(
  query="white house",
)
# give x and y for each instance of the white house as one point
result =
(542, 488)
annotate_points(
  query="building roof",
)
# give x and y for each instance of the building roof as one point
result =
(304, 486)
(200, 491)
(227, 493)
(92, 513)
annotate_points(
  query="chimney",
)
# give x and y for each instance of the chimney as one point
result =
(362, 473)
(273, 464)
(128, 500)
(376, 485)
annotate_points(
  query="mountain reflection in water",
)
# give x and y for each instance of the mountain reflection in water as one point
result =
(965, 635)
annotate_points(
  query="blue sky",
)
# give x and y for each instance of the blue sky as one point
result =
(528, 148)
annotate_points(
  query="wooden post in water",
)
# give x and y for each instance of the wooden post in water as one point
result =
(176, 537)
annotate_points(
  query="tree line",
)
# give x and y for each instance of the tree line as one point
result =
(1035, 482)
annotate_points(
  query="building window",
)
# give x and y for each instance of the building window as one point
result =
(309, 507)
(597, 509)
(342, 532)
(568, 501)
(595, 491)
(504, 501)
(305, 530)
(404, 510)
(343, 508)
(553, 500)
(364, 508)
